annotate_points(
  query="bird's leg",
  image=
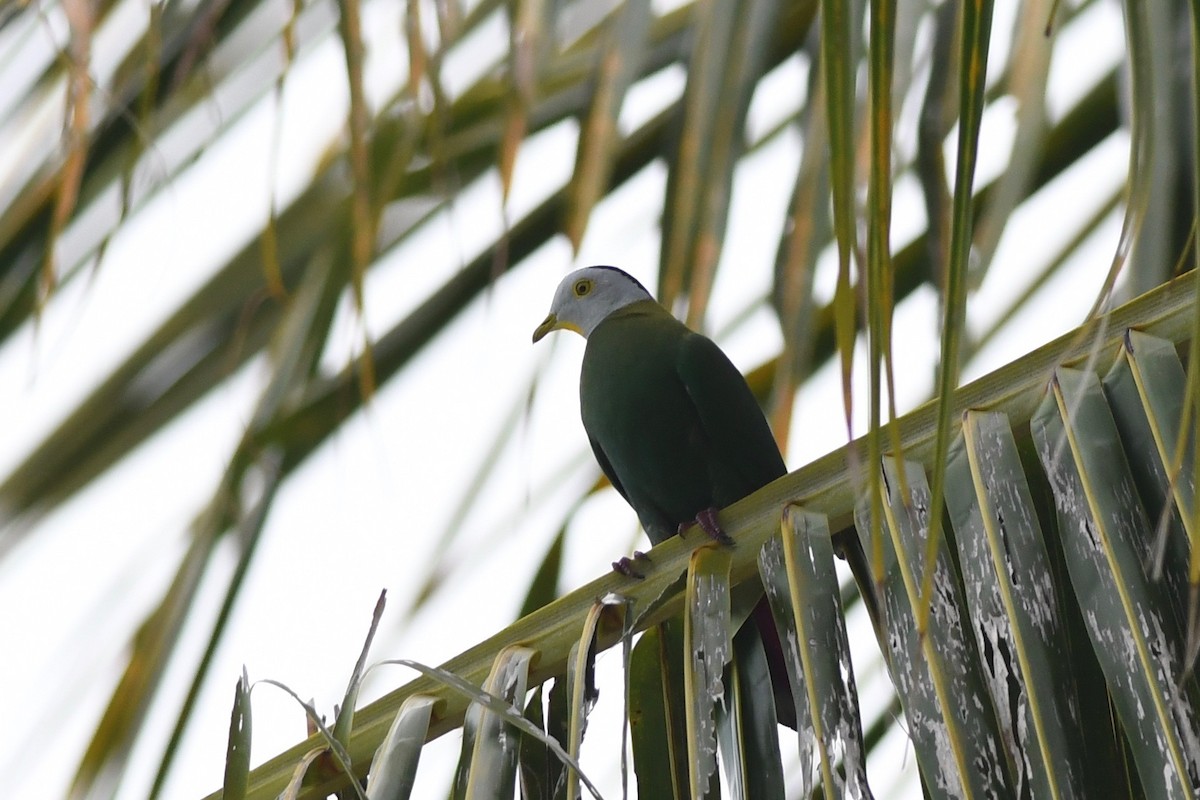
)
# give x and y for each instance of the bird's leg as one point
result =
(628, 566)
(707, 520)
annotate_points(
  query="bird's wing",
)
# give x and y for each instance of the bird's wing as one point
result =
(654, 521)
(606, 467)
(732, 420)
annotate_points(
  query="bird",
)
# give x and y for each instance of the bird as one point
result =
(671, 421)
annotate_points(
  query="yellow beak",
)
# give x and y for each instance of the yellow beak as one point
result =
(548, 324)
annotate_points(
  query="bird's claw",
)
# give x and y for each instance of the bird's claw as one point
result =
(707, 520)
(627, 566)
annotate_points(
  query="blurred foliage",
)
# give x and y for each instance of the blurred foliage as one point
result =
(100, 126)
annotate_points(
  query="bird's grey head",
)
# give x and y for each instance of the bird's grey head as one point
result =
(587, 296)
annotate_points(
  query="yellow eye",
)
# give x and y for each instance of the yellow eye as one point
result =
(582, 287)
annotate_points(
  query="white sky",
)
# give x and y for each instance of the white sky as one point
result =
(367, 510)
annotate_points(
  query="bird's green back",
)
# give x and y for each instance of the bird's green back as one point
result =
(671, 419)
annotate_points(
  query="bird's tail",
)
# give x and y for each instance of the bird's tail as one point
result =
(781, 687)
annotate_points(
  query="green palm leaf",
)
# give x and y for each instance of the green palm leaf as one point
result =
(784, 159)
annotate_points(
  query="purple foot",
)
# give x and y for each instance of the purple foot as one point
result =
(707, 520)
(628, 566)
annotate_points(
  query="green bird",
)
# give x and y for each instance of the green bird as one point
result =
(669, 417)
(671, 420)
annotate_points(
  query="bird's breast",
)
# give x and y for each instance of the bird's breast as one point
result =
(638, 413)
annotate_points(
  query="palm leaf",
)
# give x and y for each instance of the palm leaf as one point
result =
(104, 131)
(1014, 397)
